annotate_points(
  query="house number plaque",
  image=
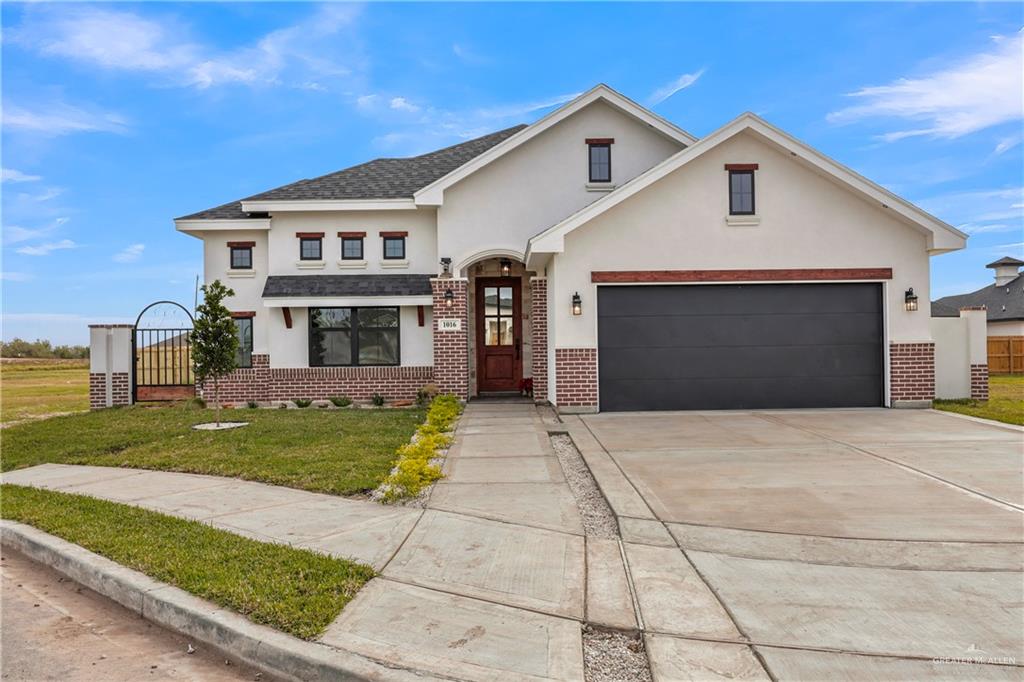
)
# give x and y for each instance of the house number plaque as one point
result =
(450, 325)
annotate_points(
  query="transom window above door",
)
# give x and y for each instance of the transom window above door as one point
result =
(498, 316)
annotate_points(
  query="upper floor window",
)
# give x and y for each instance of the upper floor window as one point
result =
(351, 246)
(241, 255)
(311, 245)
(243, 355)
(741, 188)
(394, 245)
(600, 160)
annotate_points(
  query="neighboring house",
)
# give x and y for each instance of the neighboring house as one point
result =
(616, 260)
(1003, 301)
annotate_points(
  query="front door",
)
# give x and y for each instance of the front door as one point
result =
(498, 334)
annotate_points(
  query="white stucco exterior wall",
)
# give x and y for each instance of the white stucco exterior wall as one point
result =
(1006, 328)
(959, 343)
(541, 182)
(420, 245)
(679, 223)
(248, 286)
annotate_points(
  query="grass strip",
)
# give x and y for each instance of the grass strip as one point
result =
(1005, 403)
(294, 590)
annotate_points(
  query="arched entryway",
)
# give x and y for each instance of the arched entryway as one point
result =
(500, 338)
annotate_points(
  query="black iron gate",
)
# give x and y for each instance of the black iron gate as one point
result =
(162, 369)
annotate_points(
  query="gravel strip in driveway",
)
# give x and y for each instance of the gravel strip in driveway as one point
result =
(598, 519)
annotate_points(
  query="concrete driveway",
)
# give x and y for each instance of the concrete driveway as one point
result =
(824, 544)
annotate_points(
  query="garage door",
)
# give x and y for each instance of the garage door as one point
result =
(739, 346)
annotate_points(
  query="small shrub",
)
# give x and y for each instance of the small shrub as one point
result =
(413, 470)
(377, 400)
(341, 400)
(196, 403)
(302, 402)
(252, 404)
(283, 406)
(426, 394)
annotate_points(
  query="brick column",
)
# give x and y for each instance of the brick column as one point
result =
(912, 374)
(110, 365)
(979, 382)
(539, 337)
(576, 379)
(451, 346)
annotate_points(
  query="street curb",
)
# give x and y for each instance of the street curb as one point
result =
(259, 646)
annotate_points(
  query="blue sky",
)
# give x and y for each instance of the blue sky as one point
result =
(119, 117)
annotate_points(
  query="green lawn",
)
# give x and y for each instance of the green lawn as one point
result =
(333, 451)
(36, 388)
(1005, 403)
(294, 590)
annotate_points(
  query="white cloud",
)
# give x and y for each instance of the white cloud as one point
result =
(130, 254)
(12, 175)
(507, 111)
(672, 87)
(59, 118)
(48, 248)
(402, 104)
(978, 92)
(367, 101)
(13, 234)
(121, 40)
(980, 211)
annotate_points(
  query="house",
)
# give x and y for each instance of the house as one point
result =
(602, 251)
(1003, 301)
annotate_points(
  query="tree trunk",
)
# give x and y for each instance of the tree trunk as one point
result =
(216, 398)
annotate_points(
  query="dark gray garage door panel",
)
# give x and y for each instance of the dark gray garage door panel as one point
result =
(740, 346)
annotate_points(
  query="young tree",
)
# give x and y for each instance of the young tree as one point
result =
(214, 339)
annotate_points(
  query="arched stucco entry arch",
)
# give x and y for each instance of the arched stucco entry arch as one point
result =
(462, 268)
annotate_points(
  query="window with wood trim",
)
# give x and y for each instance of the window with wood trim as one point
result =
(241, 257)
(243, 355)
(341, 337)
(741, 192)
(311, 248)
(352, 248)
(394, 248)
(600, 155)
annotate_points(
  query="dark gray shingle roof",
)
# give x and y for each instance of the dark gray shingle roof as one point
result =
(1004, 302)
(301, 286)
(386, 178)
(1005, 260)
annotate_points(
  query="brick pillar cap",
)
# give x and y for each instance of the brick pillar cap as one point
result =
(111, 326)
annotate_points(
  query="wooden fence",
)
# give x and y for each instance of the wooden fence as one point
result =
(1006, 355)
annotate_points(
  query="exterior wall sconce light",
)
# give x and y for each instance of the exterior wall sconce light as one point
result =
(577, 304)
(910, 300)
(506, 267)
(446, 266)
(449, 298)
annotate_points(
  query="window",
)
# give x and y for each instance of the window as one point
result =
(311, 248)
(394, 248)
(498, 316)
(741, 192)
(243, 356)
(600, 162)
(241, 258)
(352, 248)
(353, 336)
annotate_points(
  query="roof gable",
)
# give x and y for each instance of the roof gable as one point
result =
(942, 237)
(433, 194)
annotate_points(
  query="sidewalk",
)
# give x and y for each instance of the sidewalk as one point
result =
(488, 582)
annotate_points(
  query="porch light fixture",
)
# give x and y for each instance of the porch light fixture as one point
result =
(506, 267)
(577, 304)
(449, 298)
(446, 266)
(910, 300)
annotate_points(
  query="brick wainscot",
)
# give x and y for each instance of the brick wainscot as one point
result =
(576, 379)
(912, 374)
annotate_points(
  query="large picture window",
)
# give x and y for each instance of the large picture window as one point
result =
(243, 356)
(353, 336)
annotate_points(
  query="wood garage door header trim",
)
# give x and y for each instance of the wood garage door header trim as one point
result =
(784, 275)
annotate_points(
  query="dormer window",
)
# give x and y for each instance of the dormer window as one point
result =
(741, 188)
(600, 159)
(241, 255)
(311, 245)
